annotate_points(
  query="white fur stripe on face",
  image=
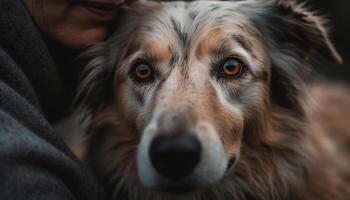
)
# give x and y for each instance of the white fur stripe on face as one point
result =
(223, 98)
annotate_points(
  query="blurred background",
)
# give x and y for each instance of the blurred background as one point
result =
(338, 13)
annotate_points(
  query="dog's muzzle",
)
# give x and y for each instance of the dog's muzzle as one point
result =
(175, 156)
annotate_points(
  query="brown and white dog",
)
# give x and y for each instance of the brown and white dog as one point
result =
(210, 100)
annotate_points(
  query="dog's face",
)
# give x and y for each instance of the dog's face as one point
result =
(189, 86)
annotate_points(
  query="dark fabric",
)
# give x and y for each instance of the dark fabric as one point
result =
(34, 161)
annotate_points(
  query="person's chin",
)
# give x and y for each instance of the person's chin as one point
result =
(80, 39)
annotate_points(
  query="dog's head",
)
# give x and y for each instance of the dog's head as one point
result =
(183, 90)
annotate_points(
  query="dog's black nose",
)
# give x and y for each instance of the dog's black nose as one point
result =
(175, 156)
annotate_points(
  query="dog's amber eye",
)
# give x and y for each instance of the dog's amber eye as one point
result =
(232, 67)
(142, 72)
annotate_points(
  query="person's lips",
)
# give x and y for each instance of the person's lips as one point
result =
(99, 10)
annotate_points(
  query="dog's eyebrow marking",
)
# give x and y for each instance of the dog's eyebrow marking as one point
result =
(223, 49)
(241, 41)
(158, 51)
(209, 43)
(174, 57)
(245, 45)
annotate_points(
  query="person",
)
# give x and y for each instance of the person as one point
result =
(38, 41)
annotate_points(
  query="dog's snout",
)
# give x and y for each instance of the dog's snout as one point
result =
(175, 156)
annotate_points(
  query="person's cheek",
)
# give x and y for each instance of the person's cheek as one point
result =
(74, 28)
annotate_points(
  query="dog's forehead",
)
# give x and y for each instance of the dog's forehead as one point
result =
(184, 24)
(192, 17)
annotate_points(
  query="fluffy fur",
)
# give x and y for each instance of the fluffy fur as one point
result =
(265, 119)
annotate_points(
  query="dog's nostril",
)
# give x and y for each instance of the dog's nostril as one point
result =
(175, 156)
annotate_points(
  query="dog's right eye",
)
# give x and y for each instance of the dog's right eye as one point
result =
(142, 73)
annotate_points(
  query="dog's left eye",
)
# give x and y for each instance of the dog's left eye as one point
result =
(232, 67)
(142, 72)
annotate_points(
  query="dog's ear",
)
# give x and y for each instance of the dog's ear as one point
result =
(96, 79)
(292, 35)
(100, 62)
(304, 29)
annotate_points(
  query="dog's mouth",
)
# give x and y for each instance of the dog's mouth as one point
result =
(180, 189)
(184, 186)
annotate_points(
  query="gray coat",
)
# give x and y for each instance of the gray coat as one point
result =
(34, 161)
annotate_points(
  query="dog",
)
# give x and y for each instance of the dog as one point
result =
(214, 100)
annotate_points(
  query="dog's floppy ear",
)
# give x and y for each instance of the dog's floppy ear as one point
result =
(98, 75)
(303, 28)
(292, 36)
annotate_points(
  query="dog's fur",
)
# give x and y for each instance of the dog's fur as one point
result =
(264, 119)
